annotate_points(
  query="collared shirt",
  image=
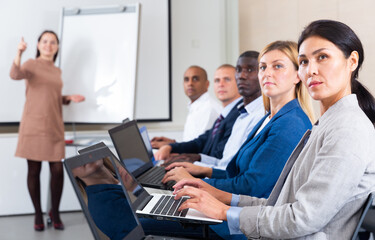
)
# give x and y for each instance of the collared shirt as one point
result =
(229, 107)
(202, 114)
(245, 122)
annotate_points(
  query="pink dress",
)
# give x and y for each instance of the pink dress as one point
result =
(41, 132)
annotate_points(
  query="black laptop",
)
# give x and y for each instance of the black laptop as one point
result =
(132, 151)
(103, 200)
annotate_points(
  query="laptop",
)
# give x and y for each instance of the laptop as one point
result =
(104, 202)
(132, 151)
(142, 201)
(146, 139)
(109, 189)
(102, 144)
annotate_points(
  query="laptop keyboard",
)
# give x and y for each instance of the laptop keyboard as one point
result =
(167, 205)
(154, 176)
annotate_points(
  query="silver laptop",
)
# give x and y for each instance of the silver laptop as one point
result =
(155, 205)
(103, 200)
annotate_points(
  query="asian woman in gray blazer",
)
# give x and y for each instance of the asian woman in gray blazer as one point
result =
(325, 183)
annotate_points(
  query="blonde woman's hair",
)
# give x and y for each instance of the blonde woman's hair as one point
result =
(289, 48)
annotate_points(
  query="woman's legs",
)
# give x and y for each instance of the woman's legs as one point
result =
(57, 181)
(33, 184)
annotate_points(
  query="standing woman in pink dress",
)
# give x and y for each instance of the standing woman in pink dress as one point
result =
(41, 132)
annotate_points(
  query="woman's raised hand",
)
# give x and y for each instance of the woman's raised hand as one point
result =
(22, 46)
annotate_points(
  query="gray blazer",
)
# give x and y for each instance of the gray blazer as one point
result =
(327, 185)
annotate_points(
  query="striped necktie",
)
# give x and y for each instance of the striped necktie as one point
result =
(217, 125)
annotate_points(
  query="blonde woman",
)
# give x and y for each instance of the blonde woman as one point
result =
(256, 167)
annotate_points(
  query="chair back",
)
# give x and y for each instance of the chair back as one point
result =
(367, 205)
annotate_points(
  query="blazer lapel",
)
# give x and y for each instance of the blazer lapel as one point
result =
(284, 110)
(286, 170)
(255, 129)
(252, 138)
(232, 165)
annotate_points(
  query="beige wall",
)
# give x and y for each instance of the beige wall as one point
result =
(264, 21)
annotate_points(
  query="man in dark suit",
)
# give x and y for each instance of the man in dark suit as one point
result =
(211, 142)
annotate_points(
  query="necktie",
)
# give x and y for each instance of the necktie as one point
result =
(217, 125)
(242, 110)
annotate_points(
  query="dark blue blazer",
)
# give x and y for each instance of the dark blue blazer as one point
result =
(205, 143)
(256, 167)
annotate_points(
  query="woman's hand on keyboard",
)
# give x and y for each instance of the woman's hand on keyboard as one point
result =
(203, 202)
(176, 174)
(194, 170)
(220, 195)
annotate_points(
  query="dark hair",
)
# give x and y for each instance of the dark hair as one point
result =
(347, 41)
(200, 69)
(40, 37)
(250, 54)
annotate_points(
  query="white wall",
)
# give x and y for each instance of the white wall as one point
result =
(14, 197)
(204, 33)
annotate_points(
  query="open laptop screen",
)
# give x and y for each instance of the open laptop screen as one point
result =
(146, 140)
(131, 148)
(135, 191)
(101, 194)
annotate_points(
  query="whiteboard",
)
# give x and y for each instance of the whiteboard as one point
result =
(98, 59)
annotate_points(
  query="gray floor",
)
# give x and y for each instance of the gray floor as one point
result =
(22, 227)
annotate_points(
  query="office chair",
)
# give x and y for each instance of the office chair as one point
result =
(367, 205)
(369, 221)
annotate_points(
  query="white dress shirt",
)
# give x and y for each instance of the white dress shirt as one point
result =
(203, 112)
(244, 124)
